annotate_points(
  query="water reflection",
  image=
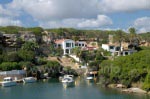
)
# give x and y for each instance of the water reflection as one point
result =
(53, 88)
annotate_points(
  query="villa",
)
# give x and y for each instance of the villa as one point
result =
(68, 44)
(114, 49)
(65, 44)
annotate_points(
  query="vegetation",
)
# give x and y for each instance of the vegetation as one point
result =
(127, 69)
(5, 66)
(53, 68)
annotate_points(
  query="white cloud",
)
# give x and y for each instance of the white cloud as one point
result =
(123, 5)
(63, 9)
(142, 24)
(7, 21)
(102, 20)
(70, 13)
(56, 9)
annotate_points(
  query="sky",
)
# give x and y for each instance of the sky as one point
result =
(80, 14)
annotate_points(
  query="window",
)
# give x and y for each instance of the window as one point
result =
(59, 45)
(117, 48)
(111, 47)
(126, 53)
(76, 44)
(67, 51)
(68, 44)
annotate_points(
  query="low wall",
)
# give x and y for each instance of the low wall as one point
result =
(15, 74)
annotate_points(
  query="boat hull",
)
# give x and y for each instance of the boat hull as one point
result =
(8, 84)
(68, 84)
(29, 80)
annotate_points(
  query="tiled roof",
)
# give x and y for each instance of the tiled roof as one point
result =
(59, 41)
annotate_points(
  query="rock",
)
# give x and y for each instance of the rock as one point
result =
(112, 86)
(120, 86)
(134, 90)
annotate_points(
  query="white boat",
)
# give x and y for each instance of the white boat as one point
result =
(29, 80)
(67, 80)
(66, 76)
(89, 78)
(8, 81)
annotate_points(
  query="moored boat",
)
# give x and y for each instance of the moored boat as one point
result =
(29, 80)
(7, 82)
(68, 80)
(89, 78)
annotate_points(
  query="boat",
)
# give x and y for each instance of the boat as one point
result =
(7, 82)
(29, 80)
(67, 80)
(89, 77)
(65, 76)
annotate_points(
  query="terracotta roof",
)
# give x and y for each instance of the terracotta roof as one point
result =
(89, 48)
(59, 41)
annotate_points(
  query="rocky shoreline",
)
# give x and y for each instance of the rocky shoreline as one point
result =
(123, 88)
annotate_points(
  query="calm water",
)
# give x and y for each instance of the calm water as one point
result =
(55, 90)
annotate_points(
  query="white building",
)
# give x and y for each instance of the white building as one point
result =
(80, 43)
(65, 44)
(114, 49)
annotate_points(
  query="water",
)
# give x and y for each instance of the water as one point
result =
(55, 90)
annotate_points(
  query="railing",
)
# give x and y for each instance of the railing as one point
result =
(13, 72)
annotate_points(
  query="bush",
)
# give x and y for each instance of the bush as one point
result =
(11, 57)
(146, 85)
(6, 66)
(128, 69)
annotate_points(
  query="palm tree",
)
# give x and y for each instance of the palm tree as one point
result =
(119, 38)
(133, 37)
(132, 34)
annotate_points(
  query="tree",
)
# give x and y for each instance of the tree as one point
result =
(36, 30)
(30, 46)
(53, 68)
(6, 66)
(11, 57)
(76, 51)
(119, 37)
(132, 34)
(26, 55)
(134, 38)
(146, 84)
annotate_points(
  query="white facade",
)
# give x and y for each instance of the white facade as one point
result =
(80, 44)
(66, 45)
(111, 48)
(128, 52)
(115, 50)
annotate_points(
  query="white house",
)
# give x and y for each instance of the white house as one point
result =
(128, 52)
(65, 44)
(111, 47)
(114, 49)
(80, 43)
